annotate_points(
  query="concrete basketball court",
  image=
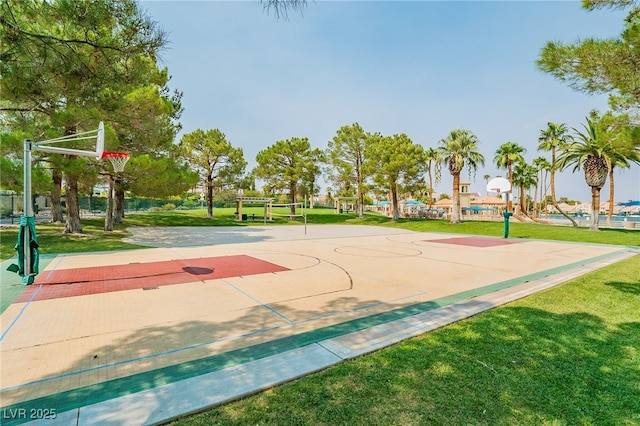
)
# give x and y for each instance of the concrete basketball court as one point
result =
(211, 314)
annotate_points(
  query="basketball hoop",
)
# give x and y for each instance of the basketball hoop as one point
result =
(117, 159)
(499, 185)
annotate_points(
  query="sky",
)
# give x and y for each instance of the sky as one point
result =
(422, 68)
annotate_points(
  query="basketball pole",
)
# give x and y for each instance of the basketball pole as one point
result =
(507, 215)
(27, 209)
(500, 185)
(27, 246)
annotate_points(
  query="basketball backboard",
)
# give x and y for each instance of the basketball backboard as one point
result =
(498, 185)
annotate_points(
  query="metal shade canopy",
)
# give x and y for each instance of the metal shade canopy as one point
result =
(630, 203)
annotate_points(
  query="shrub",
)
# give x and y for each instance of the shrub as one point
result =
(190, 204)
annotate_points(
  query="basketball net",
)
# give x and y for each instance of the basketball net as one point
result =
(117, 159)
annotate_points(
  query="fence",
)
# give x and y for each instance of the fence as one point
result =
(11, 206)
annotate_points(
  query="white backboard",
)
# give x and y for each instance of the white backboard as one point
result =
(498, 185)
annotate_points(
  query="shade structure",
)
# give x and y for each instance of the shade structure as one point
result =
(630, 203)
(477, 208)
(412, 203)
(28, 255)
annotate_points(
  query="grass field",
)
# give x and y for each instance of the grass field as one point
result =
(95, 238)
(566, 356)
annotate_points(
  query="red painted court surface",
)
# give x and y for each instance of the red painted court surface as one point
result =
(476, 241)
(104, 279)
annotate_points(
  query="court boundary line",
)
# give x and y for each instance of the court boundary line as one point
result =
(33, 295)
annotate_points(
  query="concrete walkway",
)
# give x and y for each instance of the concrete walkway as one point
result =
(147, 354)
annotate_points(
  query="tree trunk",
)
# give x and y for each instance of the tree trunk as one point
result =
(394, 203)
(595, 208)
(523, 202)
(119, 201)
(553, 190)
(56, 205)
(209, 198)
(430, 187)
(73, 225)
(535, 199)
(455, 201)
(108, 218)
(292, 200)
(360, 180)
(611, 195)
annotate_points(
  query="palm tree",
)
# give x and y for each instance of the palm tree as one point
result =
(589, 151)
(459, 147)
(486, 180)
(621, 155)
(621, 151)
(506, 155)
(524, 177)
(431, 156)
(552, 138)
(542, 166)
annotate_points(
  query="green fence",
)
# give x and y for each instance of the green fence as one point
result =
(99, 204)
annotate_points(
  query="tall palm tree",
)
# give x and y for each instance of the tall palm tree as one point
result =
(431, 156)
(524, 177)
(621, 155)
(486, 180)
(551, 139)
(543, 167)
(506, 155)
(589, 151)
(458, 148)
(621, 152)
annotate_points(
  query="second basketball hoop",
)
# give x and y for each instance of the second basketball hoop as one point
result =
(117, 159)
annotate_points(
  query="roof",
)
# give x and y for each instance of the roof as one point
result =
(443, 202)
(488, 200)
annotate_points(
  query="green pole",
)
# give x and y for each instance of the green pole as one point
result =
(506, 215)
(27, 246)
(26, 207)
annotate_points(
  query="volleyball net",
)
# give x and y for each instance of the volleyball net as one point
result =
(284, 210)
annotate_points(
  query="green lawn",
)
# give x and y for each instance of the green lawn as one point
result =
(95, 238)
(566, 356)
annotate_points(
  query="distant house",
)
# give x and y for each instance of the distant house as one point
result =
(488, 201)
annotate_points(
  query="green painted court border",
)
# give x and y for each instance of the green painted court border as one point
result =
(92, 394)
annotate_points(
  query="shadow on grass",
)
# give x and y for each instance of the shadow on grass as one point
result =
(631, 288)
